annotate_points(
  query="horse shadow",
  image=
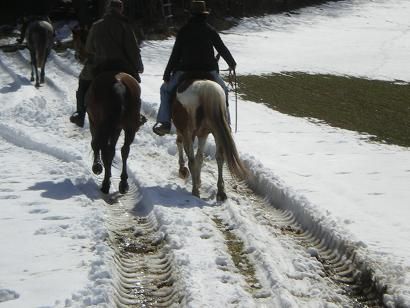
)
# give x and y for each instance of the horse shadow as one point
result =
(15, 85)
(65, 190)
(169, 196)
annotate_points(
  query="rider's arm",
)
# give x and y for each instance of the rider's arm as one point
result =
(173, 59)
(223, 50)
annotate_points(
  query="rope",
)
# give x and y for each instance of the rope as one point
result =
(233, 83)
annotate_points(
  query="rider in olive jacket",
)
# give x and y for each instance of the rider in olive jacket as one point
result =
(110, 39)
(193, 51)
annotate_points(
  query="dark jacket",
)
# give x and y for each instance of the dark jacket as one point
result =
(112, 38)
(194, 49)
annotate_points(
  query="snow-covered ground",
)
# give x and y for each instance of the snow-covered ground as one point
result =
(54, 244)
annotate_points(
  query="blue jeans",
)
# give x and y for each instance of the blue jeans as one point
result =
(164, 112)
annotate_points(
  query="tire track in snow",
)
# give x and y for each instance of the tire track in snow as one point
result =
(341, 261)
(145, 271)
(144, 274)
(351, 285)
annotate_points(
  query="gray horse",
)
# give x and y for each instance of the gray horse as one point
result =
(39, 37)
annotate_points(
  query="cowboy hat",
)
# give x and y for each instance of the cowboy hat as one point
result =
(198, 8)
(116, 4)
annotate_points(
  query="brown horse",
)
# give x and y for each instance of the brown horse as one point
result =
(199, 109)
(39, 37)
(113, 105)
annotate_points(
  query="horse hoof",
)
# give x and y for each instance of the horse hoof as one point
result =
(196, 193)
(221, 196)
(183, 173)
(123, 187)
(105, 189)
(37, 85)
(97, 169)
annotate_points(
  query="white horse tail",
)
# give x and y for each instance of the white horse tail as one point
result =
(214, 107)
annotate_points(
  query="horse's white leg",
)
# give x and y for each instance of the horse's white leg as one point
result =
(189, 150)
(221, 195)
(125, 150)
(199, 159)
(183, 171)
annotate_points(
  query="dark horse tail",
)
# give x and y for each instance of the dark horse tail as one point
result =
(116, 100)
(40, 40)
(215, 110)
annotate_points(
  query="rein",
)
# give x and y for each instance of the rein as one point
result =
(233, 83)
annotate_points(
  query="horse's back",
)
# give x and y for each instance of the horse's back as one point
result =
(201, 92)
(199, 97)
(113, 94)
(40, 28)
(39, 35)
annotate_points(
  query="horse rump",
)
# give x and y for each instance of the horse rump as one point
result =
(39, 38)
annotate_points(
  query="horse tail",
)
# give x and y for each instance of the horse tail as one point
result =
(214, 107)
(40, 40)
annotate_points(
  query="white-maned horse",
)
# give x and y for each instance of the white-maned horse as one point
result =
(199, 109)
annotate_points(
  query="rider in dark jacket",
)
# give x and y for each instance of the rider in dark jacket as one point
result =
(193, 51)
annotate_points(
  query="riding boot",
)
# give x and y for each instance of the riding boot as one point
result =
(78, 116)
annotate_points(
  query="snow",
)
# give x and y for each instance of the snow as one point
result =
(55, 250)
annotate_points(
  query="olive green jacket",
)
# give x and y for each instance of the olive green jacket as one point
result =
(112, 38)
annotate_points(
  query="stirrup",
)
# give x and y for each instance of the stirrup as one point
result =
(77, 118)
(162, 128)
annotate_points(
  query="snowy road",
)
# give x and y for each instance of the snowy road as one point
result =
(235, 253)
(309, 229)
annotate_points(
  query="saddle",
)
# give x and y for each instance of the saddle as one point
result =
(189, 77)
(114, 65)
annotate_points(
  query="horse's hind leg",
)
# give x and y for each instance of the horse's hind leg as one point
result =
(43, 67)
(107, 154)
(220, 195)
(33, 63)
(95, 145)
(199, 159)
(183, 171)
(125, 150)
(189, 150)
(97, 166)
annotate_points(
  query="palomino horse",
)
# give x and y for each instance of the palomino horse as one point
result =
(199, 109)
(39, 37)
(113, 105)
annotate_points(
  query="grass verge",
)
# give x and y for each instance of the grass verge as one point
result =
(378, 108)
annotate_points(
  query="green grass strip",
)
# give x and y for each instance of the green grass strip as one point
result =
(378, 108)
